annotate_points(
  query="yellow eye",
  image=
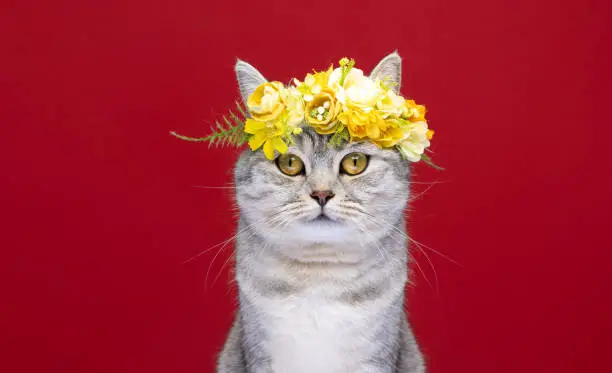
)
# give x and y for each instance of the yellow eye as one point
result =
(290, 164)
(354, 163)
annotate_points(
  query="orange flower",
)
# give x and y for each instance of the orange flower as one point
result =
(414, 112)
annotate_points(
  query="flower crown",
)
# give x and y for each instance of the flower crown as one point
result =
(340, 102)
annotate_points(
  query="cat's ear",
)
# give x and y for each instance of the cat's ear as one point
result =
(389, 68)
(248, 79)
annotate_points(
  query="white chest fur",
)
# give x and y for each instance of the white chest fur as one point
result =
(313, 334)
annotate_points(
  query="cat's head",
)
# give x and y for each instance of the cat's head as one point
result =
(317, 195)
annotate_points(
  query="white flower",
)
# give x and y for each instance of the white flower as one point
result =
(357, 90)
(334, 77)
(416, 140)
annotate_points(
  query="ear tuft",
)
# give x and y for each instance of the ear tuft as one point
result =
(390, 68)
(248, 79)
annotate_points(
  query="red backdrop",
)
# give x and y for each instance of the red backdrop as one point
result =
(100, 206)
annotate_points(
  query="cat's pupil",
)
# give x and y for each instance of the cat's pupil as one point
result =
(355, 162)
(290, 162)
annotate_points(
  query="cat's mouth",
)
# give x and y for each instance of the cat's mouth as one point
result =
(323, 218)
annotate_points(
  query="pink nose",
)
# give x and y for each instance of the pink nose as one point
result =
(322, 196)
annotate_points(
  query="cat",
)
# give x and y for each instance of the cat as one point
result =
(321, 256)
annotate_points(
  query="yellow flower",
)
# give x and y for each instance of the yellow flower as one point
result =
(313, 84)
(321, 112)
(370, 125)
(415, 141)
(390, 134)
(265, 102)
(268, 134)
(390, 104)
(413, 112)
(292, 99)
(361, 124)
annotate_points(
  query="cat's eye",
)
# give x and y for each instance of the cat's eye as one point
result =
(290, 164)
(354, 163)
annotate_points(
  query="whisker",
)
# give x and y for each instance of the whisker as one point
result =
(415, 241)
(428, 182)
(248, 230)
(373, 240)
(416, 262)
(213, 261)
(207, 250)
(212, 187)
(421, 194)
(376, 221)
(435, 251)
(433, 268)
(229, 258)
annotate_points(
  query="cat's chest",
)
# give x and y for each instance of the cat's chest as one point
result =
(312, 334)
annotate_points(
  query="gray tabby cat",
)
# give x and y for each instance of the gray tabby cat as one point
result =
(321, 257)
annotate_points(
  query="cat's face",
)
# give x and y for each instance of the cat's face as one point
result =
(321, 209)
(323, 203)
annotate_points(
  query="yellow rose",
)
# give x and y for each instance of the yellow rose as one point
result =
(265, 102)
(415, 141)
(321, 112)
(413, 112)
(362, 124)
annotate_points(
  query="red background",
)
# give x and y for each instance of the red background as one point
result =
(100, 206)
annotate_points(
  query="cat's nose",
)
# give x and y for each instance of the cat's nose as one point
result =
(322, 196)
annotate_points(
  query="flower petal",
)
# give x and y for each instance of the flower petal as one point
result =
(268, 149)
(279, 145)
(372, 130)
(251, 126)
(408, 153)
(256, 140)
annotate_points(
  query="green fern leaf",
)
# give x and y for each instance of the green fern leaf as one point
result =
(224, 132)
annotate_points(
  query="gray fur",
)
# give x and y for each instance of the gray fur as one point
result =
(390, 68)
(355, 266)
(248, 79)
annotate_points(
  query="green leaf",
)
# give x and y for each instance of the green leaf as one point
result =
(425, 158)
(240, 109)
(187, 138)
(224, 132)
(339, 137)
